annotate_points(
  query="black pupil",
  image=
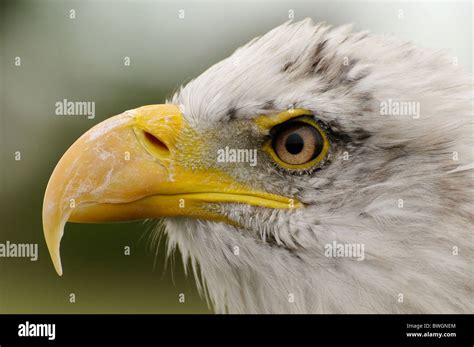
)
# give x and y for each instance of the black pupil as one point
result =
(294, 143)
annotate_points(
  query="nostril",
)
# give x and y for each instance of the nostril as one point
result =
(155, 144)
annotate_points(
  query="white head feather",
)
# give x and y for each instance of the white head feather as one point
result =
(343, 78)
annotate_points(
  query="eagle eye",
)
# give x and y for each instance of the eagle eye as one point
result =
(297, 144)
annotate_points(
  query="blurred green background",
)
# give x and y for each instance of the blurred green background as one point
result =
(82, 59)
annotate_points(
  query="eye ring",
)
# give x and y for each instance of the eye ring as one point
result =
(297, 144)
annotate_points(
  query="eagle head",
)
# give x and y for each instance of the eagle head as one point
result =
(314, 170)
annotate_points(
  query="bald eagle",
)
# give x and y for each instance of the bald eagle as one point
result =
(315, 170)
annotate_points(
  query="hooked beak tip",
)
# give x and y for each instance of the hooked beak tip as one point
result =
(53, 236)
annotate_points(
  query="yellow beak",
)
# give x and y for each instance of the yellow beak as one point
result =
(133, 166)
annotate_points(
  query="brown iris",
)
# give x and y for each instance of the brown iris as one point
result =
(297, 143)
